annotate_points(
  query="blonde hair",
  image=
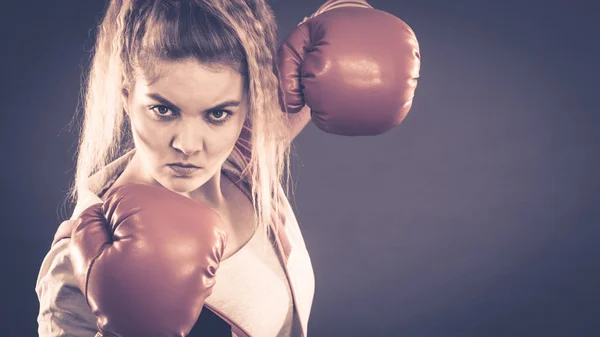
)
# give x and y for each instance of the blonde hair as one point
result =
(240, 33)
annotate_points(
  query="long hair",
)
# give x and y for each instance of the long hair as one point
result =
(133, 33)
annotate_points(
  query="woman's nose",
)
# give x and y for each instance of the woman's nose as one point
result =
(188, 140)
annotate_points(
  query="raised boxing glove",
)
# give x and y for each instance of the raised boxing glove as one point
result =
(354, 66)
(146, 260)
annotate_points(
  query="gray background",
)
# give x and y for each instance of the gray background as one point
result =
(477, 216)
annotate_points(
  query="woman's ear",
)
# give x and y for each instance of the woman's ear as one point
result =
(125, 100)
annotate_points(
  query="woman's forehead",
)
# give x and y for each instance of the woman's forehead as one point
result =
(192, 84)
(154, 69)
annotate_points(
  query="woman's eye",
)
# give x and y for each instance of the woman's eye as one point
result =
(219, 116)
(161, 110)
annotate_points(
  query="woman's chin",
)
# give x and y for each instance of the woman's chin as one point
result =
(181, 184)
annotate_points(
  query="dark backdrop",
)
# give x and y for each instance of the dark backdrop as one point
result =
(478, 216)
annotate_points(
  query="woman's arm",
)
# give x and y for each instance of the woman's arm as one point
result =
(64, 311)
(297, 122)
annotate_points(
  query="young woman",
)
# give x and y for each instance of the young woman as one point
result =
(182, 226)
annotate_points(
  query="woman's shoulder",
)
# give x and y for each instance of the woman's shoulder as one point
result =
(100, 182)
(63, 307)
(57, 263)
(56, 268)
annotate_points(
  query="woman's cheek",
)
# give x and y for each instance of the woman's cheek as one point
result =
(228, 139)
(148, 131)
(229, 136)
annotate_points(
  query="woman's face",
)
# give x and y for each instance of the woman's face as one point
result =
(186, 123)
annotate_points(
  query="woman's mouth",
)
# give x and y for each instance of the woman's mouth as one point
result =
(181, 169)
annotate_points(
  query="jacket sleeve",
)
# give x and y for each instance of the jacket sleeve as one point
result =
(64, 311)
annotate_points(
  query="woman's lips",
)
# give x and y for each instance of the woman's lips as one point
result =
(183, 170)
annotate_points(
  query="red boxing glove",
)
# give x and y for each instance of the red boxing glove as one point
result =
(146, 260)
(355, 67)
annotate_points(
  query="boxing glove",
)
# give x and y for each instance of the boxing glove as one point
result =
(354, 66)
(146, 260)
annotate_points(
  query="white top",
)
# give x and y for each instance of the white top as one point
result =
(258, 299)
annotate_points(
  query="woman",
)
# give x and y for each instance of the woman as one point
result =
(182, 105)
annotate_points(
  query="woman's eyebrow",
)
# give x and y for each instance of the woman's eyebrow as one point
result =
(225, 104)
(165, 101)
